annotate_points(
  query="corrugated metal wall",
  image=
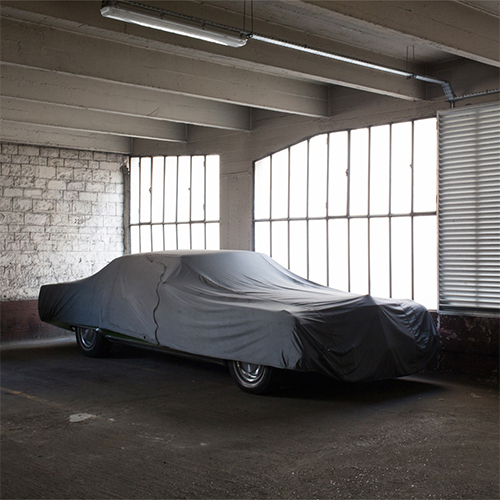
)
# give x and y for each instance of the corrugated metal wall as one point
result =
(469, 209)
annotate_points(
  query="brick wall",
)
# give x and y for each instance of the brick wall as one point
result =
(61, 216)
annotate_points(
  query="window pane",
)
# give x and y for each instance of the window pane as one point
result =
(170, 237)
(379, 258)
(145, 239)
(263, 237)
(279, 242)
(358, 172)
(198, 236)
(379, 170)
(145, 214)
(157, 189)
(134, 190)
(337, 176)
(198, 188)
(170, 189)
(401, 257)
(262, 187)
(424, 166)
(184, 189)
(183, 237)
(425, 260)
(351, 176)
(213, 237)
(134, 239)
(318, 155)
(359, 255)
(317, 251)
(212, 201)
(298, 247)
(167, 195)
(157, 230)
(401, 155)
(279, 183)
(298, 180)
(338, 257)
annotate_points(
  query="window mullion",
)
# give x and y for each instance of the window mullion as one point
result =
(307, 208)
(140, 204)
(190, 202)
(177, 205)
(205, 201)
(288, 218)
(151, 205)
(327, 210)
(412, 201)
(163, 213)
(348, 211)
(389, 211)
(271, 206)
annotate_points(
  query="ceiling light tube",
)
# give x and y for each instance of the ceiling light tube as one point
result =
(114, 11)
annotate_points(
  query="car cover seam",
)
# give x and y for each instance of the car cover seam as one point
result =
(158, 302)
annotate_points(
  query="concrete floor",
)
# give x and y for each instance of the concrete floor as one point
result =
(148, 425)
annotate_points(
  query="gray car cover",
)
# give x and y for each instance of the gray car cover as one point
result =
(237, 305)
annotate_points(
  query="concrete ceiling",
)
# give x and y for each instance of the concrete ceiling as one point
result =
(69, 73)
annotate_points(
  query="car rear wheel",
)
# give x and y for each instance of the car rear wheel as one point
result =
(256, 379)
(91, 342)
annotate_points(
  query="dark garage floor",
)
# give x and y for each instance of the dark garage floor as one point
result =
(147, 425)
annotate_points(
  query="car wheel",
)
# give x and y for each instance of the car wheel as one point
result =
(91, 342)
(256, 379)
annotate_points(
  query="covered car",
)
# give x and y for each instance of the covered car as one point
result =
(246, 309)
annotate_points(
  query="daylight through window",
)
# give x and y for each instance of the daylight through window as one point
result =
(174, 203)
(354, 210)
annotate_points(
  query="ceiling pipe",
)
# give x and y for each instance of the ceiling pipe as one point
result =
(145, 15)
(448, 91)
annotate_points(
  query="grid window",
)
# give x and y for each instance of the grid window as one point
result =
(354, 210)
(174, 203)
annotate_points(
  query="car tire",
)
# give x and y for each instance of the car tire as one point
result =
(252, 378)
(92, 343)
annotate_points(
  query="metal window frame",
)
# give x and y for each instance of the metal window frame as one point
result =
(390, 216)
(176, 223)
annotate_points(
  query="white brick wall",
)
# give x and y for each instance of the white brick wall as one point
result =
(61, 216)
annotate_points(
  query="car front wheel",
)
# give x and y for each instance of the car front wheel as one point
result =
(91, 342)
(256, 379)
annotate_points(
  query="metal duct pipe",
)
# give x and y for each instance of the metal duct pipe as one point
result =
(240, 37)
(450, 96)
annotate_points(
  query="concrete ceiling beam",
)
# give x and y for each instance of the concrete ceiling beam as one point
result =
(43, 135)
(36, 113)
(254, 57)
(446, 25)
(94, 94)
(36, 46)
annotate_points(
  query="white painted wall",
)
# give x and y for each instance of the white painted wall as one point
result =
(61, 216)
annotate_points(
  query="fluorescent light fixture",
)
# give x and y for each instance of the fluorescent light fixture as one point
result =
(160, 22)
